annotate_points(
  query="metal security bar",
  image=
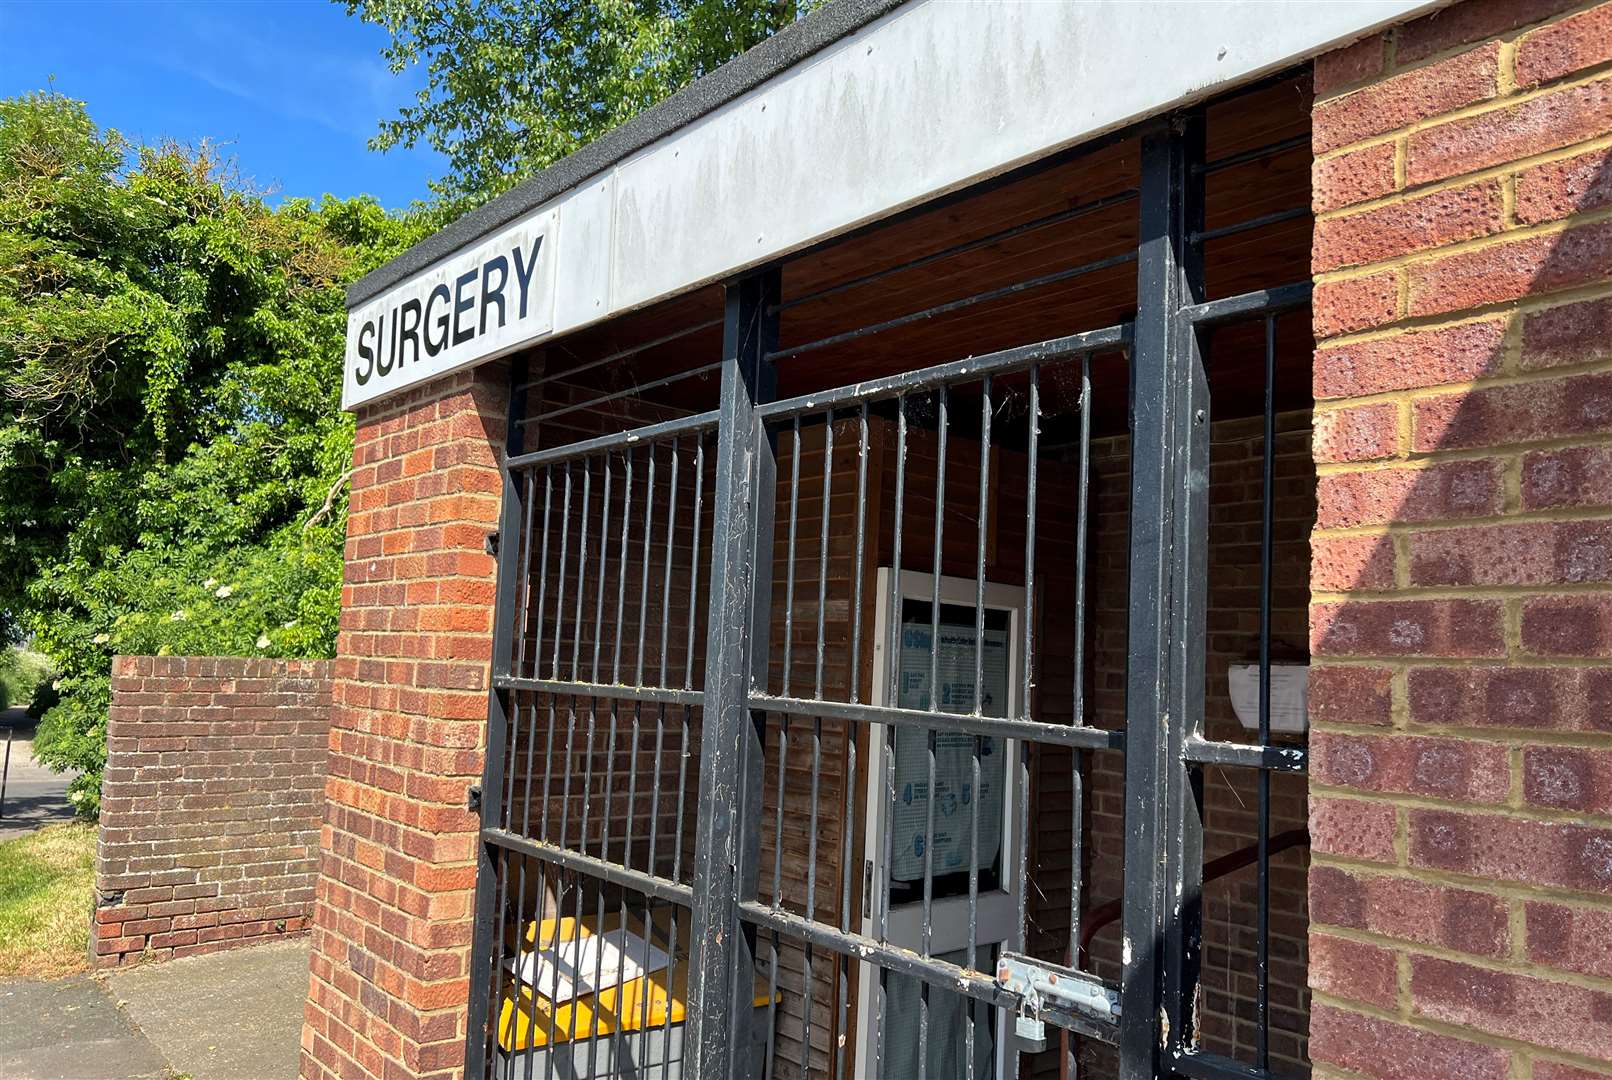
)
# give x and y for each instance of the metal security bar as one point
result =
(776, 684)
(991, 406)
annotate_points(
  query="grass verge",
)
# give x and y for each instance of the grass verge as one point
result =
(47, 889)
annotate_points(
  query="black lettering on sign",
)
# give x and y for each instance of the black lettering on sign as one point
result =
(409, 329)
(461, 305)
(524, 271)
(387, 356)
(366, 354)
(436, 345)
(493, 294)
(452, 313)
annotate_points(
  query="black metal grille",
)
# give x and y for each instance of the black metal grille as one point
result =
(735, 648)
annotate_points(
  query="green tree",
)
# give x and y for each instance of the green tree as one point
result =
(172, 449)
(514, 85)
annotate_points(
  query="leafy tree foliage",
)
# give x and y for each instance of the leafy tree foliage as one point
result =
(172, 449)
(514, 85)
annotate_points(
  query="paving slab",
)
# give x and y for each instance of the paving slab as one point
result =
(68, 1029)
(234, 1015)
(34, 795)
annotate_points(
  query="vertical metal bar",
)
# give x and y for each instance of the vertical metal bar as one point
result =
(727, 839)
(570, 758)
(1078, 711)
(1032, 477)
(582, 572)
(688, 660)
(941, 402)
(1262, 958)
(518, 661)
(688, 650)
(817, 729)
(892, 698)
(857, 569)
(822, 551)
(660, 737)
(554, 667)
(982, 515)
(486, 943)
(843, 963)
(848, 782)
(593, 720)
(543, 570)
(559, 598)
(1164, 680)
(789, 565)
(632, 757)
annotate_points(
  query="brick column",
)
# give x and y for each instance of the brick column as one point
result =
(1461, 799)
(389, 969)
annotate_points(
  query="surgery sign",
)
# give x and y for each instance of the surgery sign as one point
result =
(470, 307)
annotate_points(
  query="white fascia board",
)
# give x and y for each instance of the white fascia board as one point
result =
(936, 95)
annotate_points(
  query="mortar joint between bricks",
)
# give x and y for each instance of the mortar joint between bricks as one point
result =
(1425, 256)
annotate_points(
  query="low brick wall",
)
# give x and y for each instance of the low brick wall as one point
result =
(212, 804)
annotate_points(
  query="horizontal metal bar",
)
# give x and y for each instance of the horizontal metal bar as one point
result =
(1085, 738)
(1250, 225)
(1258, 153)
(1202, 1066)
(1021, 356)
(1249, 305)
(1248, 755)
(622, 354)
(636, 390)
(612, 691)
(958, 980)
(636, 880)
(683, 425)
(964, 248)
(956, 305)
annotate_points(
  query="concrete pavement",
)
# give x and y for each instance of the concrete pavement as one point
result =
(234, 1015)
(68, 1029)
(34, 795)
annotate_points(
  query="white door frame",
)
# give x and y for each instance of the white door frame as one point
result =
(997, 922)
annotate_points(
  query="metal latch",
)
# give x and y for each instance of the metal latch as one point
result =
(473, 798)
(1067, 997)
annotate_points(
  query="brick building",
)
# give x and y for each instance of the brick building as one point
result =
(861, 539)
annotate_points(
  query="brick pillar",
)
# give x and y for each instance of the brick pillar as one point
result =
(389, 982)
(1461, 799)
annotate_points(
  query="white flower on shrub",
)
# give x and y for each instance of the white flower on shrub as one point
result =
(209, 583)
(223, 591)
(179, 616)
(263, 641)
(101, 639)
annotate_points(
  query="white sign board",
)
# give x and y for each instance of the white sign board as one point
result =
(478, 304)
(954, 751)
(927, 99)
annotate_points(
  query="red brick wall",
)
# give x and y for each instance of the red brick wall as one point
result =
(389, 972)
(210, 809)
(1461, 892)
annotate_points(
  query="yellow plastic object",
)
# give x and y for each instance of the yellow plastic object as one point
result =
(635, 1004)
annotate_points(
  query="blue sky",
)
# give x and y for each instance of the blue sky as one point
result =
(293, 87)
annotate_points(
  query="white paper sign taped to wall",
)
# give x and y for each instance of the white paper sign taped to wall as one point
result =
(954, 780)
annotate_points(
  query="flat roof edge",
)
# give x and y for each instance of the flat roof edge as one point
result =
(791, 45)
